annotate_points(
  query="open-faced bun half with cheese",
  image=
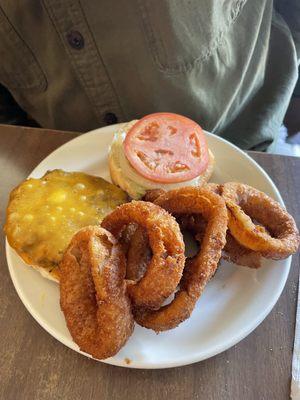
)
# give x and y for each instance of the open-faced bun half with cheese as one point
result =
(159, 151)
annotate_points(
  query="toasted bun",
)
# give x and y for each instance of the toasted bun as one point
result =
(119, 178)
(39, 211)
(46, 273)
(51, 273)
(205, 177)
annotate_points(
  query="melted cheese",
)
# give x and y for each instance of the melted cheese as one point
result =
(43, 214)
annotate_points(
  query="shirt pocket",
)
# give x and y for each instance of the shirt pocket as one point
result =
(19, 69)
(181, 33)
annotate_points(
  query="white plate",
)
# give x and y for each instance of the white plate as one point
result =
(233, 304)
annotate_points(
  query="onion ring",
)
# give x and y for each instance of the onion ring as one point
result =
(135, 244)
(166, 265)
(214, 187)
(240, 255)
(201, 268)
(233, 251)
(93, 294)
(277, 238)
(152, 195)
(138, 254)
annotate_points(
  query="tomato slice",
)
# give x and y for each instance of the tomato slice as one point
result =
(166, 148)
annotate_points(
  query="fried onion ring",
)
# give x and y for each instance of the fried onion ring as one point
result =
(214, 187)
(240, 255)
(138, 254)
(198, 270)
(232, 251)
(135, 244)
(166, 265)
(93, 294)
(152, 195)
(277, 238)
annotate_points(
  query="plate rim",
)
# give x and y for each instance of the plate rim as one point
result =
(225, 345)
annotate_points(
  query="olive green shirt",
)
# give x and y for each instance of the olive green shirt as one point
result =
(230, 65)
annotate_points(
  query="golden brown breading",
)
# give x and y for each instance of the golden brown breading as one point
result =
(240, 255)
(276, 237)
(93, 294)
(152, 195)
(138, 255)
(232, 251)
(166, 265)
(201, 268)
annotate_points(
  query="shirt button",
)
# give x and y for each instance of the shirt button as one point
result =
(110, 118)
(75, 40)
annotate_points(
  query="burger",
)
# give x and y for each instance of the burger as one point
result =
(159, 151)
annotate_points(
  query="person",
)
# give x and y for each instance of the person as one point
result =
(79, 65)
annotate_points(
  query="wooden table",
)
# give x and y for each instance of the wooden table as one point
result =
(33, 365)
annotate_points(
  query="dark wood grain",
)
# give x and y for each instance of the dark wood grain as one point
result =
(33, 365)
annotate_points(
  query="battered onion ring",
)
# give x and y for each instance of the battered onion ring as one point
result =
(135, 243)
(279, 240)
(166, 265)
(194, 223)
(93, 293)
(232, 251)
(139, 255)
(214, 187)
(152, 195)
(200, 269)
(240, 255)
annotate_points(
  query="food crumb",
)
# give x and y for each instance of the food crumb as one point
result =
(127, 361)
(280, 313)
(227, 361)
(270, 349)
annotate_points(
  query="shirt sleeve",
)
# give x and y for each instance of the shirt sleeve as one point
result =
(290, 11)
